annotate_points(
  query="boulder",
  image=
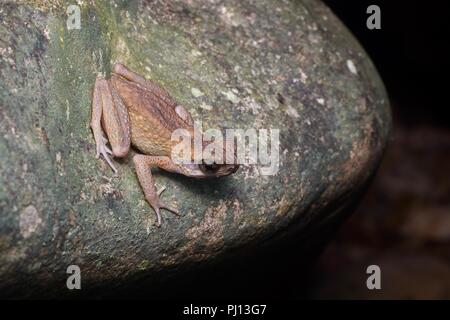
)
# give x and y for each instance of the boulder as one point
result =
(287, 65)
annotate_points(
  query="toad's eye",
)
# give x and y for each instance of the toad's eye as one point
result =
(209, 167)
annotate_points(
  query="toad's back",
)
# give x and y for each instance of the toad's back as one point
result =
(152, 117)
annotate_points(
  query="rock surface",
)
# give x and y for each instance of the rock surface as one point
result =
(289, 65)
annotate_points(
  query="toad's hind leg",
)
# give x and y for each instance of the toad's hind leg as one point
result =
(109, 114)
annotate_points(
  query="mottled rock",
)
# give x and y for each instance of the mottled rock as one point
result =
(234, 64)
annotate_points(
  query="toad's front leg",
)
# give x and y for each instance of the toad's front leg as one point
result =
(109, 110)
(143, 165)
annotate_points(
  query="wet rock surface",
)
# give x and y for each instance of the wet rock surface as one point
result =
(288, 65)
